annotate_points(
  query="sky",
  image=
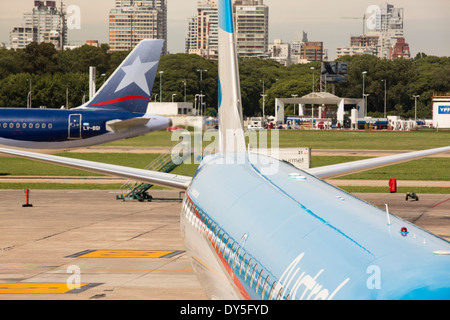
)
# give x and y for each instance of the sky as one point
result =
(426, 25)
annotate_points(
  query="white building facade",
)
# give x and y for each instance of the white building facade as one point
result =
(132, 21)
(252, 28)
(45, 23)
(441, 112)
(203, 31)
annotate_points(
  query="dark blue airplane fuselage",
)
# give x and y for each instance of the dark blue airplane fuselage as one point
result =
(47, 125)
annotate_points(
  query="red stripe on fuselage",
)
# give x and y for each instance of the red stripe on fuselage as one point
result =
(223, 260)
(118, 100)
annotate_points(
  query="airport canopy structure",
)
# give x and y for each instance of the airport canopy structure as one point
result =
(319, 99)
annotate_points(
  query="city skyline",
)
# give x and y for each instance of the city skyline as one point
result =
(426, 24)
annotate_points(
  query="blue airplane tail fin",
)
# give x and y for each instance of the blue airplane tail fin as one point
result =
(129, 88)
(231, 132)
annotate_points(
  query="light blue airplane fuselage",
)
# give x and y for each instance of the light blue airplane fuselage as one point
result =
(293, 236)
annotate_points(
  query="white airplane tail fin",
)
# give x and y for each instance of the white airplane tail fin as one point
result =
(231, 129)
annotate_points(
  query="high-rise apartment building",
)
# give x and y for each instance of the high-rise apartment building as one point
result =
(384, 31)
(45, 23)
(389, 28)
(203, 30)
(252, 28)
(306, 51)
(312, 51)
(280, 52)
(132, 21)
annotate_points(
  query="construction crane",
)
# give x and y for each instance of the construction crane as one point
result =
(358, 18)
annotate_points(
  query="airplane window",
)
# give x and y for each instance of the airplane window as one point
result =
(30, 126)
(18, 125)
(37, 125)
(253, 275)
(24, 125)
(44, 126)
(271, 290)
(11, 125)
(242, 263)
(247, 269)
(219, 241)
(5, 125)
(280, 294)
(236, 257)
(231, 253)
(50, 126)
(258, 282)
(216, 238)
(226, 250)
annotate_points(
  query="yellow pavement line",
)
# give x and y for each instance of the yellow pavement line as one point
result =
(36, 287)
(129, 254)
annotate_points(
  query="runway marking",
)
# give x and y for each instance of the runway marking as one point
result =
(41, 288)
(154, 254)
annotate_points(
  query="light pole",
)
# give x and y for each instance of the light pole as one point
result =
(29, 97)
(201, 79)
(365, 103)
(160, 85)
(263, 95)
(385, 81)
(364, 92)
(201, 89)
(294, 96)
(184, 81)
(312, 68)
(67, 98)
(415, 106)
(195, 105)
(173, 95)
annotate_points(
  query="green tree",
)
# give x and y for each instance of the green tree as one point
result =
(14, 90)
(10, 62)
(178, 68)
(52, 72)
(80, 59)
(40, 58)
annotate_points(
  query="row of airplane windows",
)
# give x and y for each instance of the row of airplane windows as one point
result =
(23, 125)
(233, 253)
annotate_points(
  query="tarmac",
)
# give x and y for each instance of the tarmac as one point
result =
(86, 245)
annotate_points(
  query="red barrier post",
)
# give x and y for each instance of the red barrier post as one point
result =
(27, 198)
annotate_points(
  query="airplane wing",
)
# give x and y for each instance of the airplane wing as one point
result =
(153, 177)
(361, 165)
(183, 182)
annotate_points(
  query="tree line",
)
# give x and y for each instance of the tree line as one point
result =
(53, 74)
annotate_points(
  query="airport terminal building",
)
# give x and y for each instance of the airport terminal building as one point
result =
(441, 112)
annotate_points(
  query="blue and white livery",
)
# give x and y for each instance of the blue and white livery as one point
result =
(257, 228)
(290, 235)
(117, 111)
